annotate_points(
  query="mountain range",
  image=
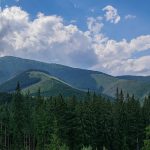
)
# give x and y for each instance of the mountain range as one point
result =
(54, 78)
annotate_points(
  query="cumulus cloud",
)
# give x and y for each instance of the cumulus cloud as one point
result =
(48, 38)
(116, 57)
(44, 38)
(111, 14)
(94, 24)
(128, 17)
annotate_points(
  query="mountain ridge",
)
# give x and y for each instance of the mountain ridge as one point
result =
(33, 80)
(78, 78)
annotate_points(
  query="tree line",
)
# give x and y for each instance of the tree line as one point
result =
(59, 123)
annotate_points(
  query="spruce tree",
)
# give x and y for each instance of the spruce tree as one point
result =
(39, 121)
(147, 140)
(17, 118)
(71, 124)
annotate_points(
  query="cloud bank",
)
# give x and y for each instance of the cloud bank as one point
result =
(48, 38)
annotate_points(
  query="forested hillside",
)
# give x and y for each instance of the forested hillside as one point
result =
(58, 123)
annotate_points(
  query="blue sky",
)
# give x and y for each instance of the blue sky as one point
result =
(79, 10)
(117, 27)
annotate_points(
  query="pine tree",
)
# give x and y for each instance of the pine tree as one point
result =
(147, 140)
(71, 124)
(146, 111)
(134, 123)
(56, 143)
(39, 121)
(17, 118)
(87, 148)
(28, 129)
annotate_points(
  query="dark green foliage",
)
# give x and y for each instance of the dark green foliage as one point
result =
(17, 118)
(146, 110)
(58, 123)
(147, 140)
(5, 98)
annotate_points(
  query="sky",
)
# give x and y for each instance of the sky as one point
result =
(111, 36)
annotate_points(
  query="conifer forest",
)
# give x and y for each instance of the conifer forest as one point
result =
(70, 123)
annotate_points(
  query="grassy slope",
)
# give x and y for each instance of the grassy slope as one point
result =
(139, 89)
(24, 80)
(33, 80)
(135, 78)
(110, 84)
(51, 86)
(103, 80)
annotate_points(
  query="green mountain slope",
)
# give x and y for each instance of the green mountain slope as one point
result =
(78, 78)
(33, 80)
(139, 89)
(135, 78)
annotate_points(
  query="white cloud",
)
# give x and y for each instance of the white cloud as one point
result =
(111, 14)
(47, 38)
(116, 57)
(94, 24)
(127, 17)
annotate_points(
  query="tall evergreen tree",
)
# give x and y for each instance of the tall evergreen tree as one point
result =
(17, 118)
(39, 121)
(147, 140)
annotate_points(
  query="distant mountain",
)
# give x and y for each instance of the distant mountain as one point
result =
(13, 68)
(135, 78)
(33, 80)
(138, 88)
(79, 78)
